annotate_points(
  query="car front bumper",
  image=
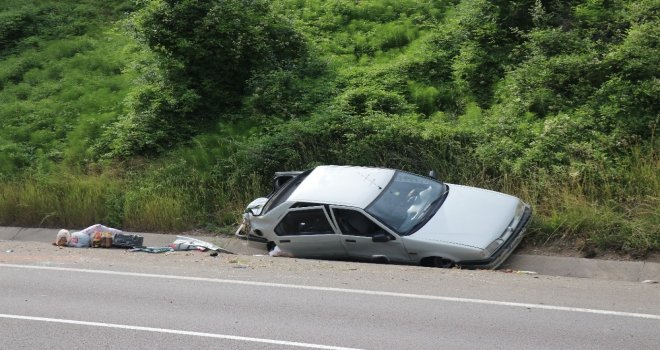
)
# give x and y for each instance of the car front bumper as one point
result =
(497, 258)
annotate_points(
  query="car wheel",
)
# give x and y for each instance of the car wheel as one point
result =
(436, 261)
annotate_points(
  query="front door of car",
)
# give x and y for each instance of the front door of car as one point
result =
(357, 234)
(307, 232)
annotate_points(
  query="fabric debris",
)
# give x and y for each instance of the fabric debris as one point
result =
(96, 236)
(124, 240)
(279, 252)
(522, 272)
(79, 240)
(155, 250)
(189, 243)
(99, 228)
(186, 247)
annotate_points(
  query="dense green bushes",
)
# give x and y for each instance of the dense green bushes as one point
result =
(403, 142)
(206, 54)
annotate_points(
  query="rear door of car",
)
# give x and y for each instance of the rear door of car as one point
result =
(308, 232)
(357, 234)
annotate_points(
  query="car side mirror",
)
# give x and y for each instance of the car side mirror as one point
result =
(433, 174)
(380, 238)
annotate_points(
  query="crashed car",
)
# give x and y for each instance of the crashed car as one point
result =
(385, 215)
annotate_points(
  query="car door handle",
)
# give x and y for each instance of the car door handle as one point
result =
(351, 241)
(285, 241)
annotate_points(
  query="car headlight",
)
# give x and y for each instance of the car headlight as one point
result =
(520, 211)
(518, 215)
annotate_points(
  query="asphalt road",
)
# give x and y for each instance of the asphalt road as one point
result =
(89, 298)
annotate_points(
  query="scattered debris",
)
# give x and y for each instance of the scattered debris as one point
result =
(123, 240)
(186, 247)
(240, 232)
(189, 243)
(279, 252)
(522, 272)
(152, 249)
(649, 281)
(102, 239)
(99, 236)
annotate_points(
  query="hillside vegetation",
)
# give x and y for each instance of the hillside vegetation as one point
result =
(165, 115)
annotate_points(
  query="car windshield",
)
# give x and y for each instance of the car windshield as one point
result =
(408, 202)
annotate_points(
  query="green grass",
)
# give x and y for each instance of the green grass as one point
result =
(177, 197)
(622, 216)
(63, 77)
(57, 202)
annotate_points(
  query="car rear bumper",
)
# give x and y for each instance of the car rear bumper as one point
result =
(505, 250)
(243, 232)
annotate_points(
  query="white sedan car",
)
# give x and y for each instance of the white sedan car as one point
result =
(385, 215)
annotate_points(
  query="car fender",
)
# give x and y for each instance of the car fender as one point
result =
(437, 248)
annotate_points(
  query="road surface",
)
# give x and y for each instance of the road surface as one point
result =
(65, 298)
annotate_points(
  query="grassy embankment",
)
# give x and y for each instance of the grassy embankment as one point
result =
(540, 102)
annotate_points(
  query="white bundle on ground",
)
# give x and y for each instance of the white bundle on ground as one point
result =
(62, 238)
(79, 240)
(99, 228)
(83, 238)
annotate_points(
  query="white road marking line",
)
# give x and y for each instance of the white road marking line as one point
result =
(176, 331)
(346, 290)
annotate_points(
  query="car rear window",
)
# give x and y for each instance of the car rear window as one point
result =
(284, 192)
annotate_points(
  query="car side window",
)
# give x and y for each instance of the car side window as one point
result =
(354, 223)
(304, 222)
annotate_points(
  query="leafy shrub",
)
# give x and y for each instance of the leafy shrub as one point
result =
(368, 100)
(155, 119)
(203, 52)
(288, 93)
(375, 140)
(425, 97)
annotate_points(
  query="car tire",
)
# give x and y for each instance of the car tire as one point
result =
(437, 261)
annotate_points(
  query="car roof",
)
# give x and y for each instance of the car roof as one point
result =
(342, 185)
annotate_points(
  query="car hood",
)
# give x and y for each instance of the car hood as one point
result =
(469, 216)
